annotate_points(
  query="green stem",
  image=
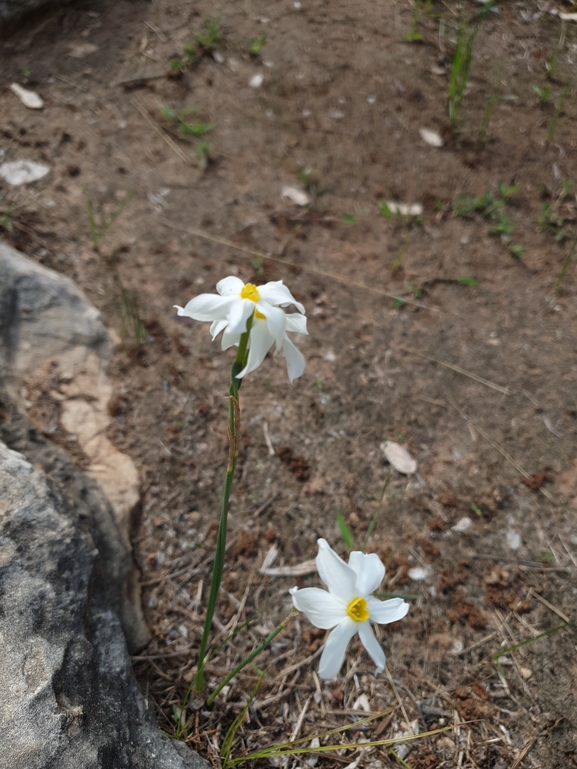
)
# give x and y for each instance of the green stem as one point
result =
(218, 563)
(247, 660)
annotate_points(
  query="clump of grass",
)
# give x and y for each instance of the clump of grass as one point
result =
(255, 45)
(202, 43)
(184, 128)
(462, 59)
(98, 231)
(553, 218)
(414, 36)
(493, 208)
(558, 112)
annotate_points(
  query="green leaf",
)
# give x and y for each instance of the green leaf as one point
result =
(517, 250)
(386, 211)
(345, 531)
(349, 219)
(195, 129)
(466, 281)
(254, 46)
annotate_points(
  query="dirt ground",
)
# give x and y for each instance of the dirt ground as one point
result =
(452, 332)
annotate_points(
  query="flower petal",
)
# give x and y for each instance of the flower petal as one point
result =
(295, 362)
(240, 312)
(334, 572)
(384, 612)
(335, 648)
(369, 570)
(276, 293)
(231, 286)
(296, 323)
(260, 342)
(207, 307)
(229, 339)
(275, 320)
(372, 645)
(321, 608)
(216, 328)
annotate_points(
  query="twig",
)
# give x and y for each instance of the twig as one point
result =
(550, 606)
(476, 644)
(459, 370)
(501, 450)
(267, 440)
(399, 700)
(251, 252)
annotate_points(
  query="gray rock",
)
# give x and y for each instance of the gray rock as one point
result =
(69, 699)
(14, 12)
(54, 350)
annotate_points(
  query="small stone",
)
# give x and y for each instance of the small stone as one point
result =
(399, 458)
(431, 137)
(463, 525)
(513, 539)
(20, 172)
(526, 673)
(28, 98)
(419, 573)
(299, 197)
(256, 80)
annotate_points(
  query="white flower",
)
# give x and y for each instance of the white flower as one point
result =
(348, 606)
(230, 310)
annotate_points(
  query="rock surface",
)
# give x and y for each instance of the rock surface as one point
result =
(69, 699)
(14, 12)
(54, 350)
(55, 347)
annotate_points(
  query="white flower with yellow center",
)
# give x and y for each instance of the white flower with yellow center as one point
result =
(235, 303)
(348, 606)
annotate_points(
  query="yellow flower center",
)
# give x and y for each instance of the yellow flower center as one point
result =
(250, 291)
(358, 610)
(259, 315)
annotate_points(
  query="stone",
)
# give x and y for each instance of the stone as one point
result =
(69, 698)
(55, 347)
(14, 12)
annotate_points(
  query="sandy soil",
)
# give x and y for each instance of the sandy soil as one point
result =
(451, 332)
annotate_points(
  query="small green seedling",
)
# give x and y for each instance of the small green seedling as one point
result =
(203, 151)
(544, 93)
(97, 232)
(558, 112)
(345, 531)
(491, 207)
(349, 219)
(553, 218)
(464, 280)
(185, 129)
(477, 510)
(205, 42)
(463, 58)
(414, 36)
(255, 45)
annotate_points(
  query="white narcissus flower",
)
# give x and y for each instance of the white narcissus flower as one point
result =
(230, 310)
(348, 606)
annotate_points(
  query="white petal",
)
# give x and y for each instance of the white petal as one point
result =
(260, 342)
(207, 307)
(230, 286)
(296, 322)
(295, 362)
(334, 572)
(240, 312)
(217, 327)
(321, 608)
(369, 570)
(372, 645)
(335, 648)
(229, 339)
(384, 612)
(276, 293)
(275, 320)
